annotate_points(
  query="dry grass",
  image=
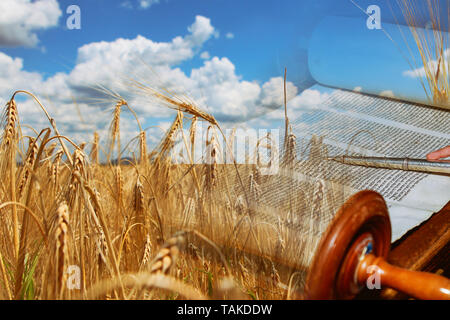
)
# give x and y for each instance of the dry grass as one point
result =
(432, 45)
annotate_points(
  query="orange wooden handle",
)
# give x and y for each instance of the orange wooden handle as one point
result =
(420, 285)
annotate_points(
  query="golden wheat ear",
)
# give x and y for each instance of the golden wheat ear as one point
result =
(28, 166)
(115, 130)
(11, 119)
(95, 149)
(167, 255)
(142, 147)
(101, 250)
(8, 164)
(147, 252)
(61, 239)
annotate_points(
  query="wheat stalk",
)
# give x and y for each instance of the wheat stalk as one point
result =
(119, 186)
(192, 132)
(29, 163)
(55, 167)
(167, 255)
(146, 281)
(9, 147)
(139, 207)
(95, 149)
(115, 129)
(10, 131)
(142, 147)
(101, 249)
(178, 103)
(432, 45)
(61, 235)
(290, 151)
(139, 202)
(147, 252)
(212, 159)
(167, 142)
(49, 150)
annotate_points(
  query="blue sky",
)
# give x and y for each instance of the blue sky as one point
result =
(264, 31)
(229, 56)
(375, 61)
(268, 35)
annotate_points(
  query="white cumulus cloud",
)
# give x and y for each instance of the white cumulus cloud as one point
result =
(13, 76)
(387, 93)
(145, 4)
(308, 99)
(205, 55)
(215, 85)
(21, 19)
(432, 67)
(229, 35)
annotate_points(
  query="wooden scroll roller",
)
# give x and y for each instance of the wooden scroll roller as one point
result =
(355, 246)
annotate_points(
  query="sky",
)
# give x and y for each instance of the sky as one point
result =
(227, 56)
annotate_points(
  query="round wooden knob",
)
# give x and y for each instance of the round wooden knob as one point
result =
(420, 285)
(363, 213)
(354, 248)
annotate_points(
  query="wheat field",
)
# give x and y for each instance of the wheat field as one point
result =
(75, 226)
